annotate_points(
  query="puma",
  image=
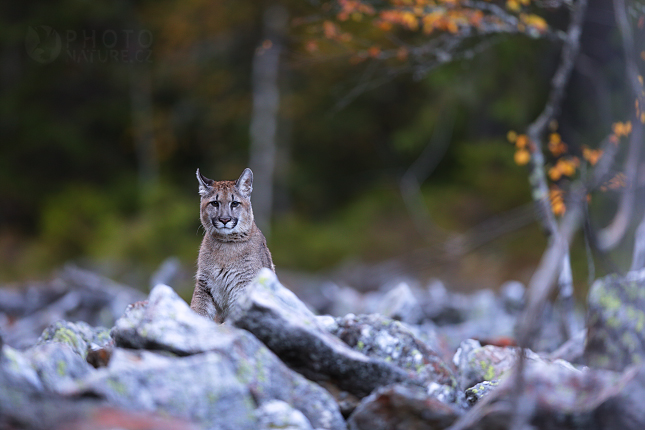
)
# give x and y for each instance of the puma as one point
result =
(233, 249)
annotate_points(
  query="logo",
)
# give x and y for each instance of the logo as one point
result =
(43, 44)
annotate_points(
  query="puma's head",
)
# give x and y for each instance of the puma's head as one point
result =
(226, 210)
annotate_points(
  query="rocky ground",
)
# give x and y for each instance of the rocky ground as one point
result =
(405, 358)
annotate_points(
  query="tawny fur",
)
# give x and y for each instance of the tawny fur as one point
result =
(233, 249)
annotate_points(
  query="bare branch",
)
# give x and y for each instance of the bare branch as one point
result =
(537, 176)
(611, 235)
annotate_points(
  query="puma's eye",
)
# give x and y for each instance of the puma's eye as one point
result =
(214, 203)
(235, 204)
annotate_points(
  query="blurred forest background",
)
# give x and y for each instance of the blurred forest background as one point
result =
(108, 108)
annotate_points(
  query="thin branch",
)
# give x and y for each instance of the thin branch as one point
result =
(537, 176)
(611, 235)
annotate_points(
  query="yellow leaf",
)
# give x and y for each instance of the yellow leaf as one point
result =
(410, 20)
(511, 136)
(522, 157)
(535, 21)
(559, 208)
(591, 155)
(513, 5)
(567, 167)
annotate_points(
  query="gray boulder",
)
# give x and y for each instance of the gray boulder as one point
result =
(57, 365)
(380, 337)
(476, 363)
(202, 388)
(400, 303)
(79, 336)
(17, 371)
(276, 317)
(242, 367)
(557, 396)
(402, 407)
(616, 322)
(72, 295)
(276, 414)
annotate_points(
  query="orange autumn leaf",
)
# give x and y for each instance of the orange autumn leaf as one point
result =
(522, 156)
(557, 201)
(564, 167)
(591, 155)
(556, 146)
(330, 30)
(374, 51)
(622, 129)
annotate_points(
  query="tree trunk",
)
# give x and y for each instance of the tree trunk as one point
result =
(264, 120)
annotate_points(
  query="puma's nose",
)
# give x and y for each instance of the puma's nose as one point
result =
(224, 220)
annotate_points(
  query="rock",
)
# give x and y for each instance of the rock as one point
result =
(57, 365)
(616, 322)
(402, 407)
(242, 368)
(79, 336)
(73, 295)
(400, 304)
(473, 394)
(16, 370)
(276, 317)
(279, 415)
(110, 418)
(380, 337)
(476, 363)
(165, 322)
(512, 295)
(202, 388)
(342, 300)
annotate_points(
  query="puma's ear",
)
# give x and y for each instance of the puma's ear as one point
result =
(245, 183)
(205, 184)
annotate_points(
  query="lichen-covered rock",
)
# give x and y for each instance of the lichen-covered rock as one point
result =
(402, 407)
(17, 371)
(476, 363)
(276, 415)
(557, 396)
(166, 323)
(79, 336)
(276, 317)
(473, 394)
(203, 388)
(380, 337)
(57, 365)
(616, 321)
